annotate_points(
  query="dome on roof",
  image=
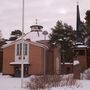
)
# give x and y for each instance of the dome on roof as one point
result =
(33, 36)
(36, 33)
(36, 27)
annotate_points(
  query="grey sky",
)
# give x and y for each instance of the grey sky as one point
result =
(46, 11)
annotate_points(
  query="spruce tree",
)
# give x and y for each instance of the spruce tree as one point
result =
(63, 36)
(15, 34)
(87, 18)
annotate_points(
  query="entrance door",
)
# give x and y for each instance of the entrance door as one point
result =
(17, 70)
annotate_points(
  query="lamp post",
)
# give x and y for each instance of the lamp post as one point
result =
(22, 71)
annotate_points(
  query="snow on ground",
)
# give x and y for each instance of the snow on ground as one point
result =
(10, 83)
(84, 85)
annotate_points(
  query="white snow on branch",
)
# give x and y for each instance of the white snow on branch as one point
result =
(76, 62)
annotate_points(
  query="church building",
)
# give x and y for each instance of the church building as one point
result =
(38, 57)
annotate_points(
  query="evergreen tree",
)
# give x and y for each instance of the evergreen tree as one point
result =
(63, 37)
(87, 23)
(15, 34)
(2, 42)
(87, 18)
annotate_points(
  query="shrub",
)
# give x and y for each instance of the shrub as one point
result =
(48, 81)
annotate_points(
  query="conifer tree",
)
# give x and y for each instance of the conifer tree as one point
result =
(87, 18)
(63, 37)
(15, 34)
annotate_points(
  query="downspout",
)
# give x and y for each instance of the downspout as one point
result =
(44, 61)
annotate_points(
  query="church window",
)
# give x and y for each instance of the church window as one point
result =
(25, 49)
(19, 49)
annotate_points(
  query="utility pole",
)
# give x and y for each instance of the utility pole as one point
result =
(22, 66)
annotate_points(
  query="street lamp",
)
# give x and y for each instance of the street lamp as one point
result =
(22, 71)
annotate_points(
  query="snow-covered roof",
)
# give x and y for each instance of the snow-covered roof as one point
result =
(76, 62)
(34, 43)
(35, 36)
(79, 43)
(81, 46)
(8, 42)
(67, 63)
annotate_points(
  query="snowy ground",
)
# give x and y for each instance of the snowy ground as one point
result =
(84, 85)
(9, 83)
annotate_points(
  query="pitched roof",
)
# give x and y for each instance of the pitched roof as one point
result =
(34, 43)
(35, 36)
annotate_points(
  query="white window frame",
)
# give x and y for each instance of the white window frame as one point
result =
(18, 54)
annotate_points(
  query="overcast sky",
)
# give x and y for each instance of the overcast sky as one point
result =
(46, 11)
